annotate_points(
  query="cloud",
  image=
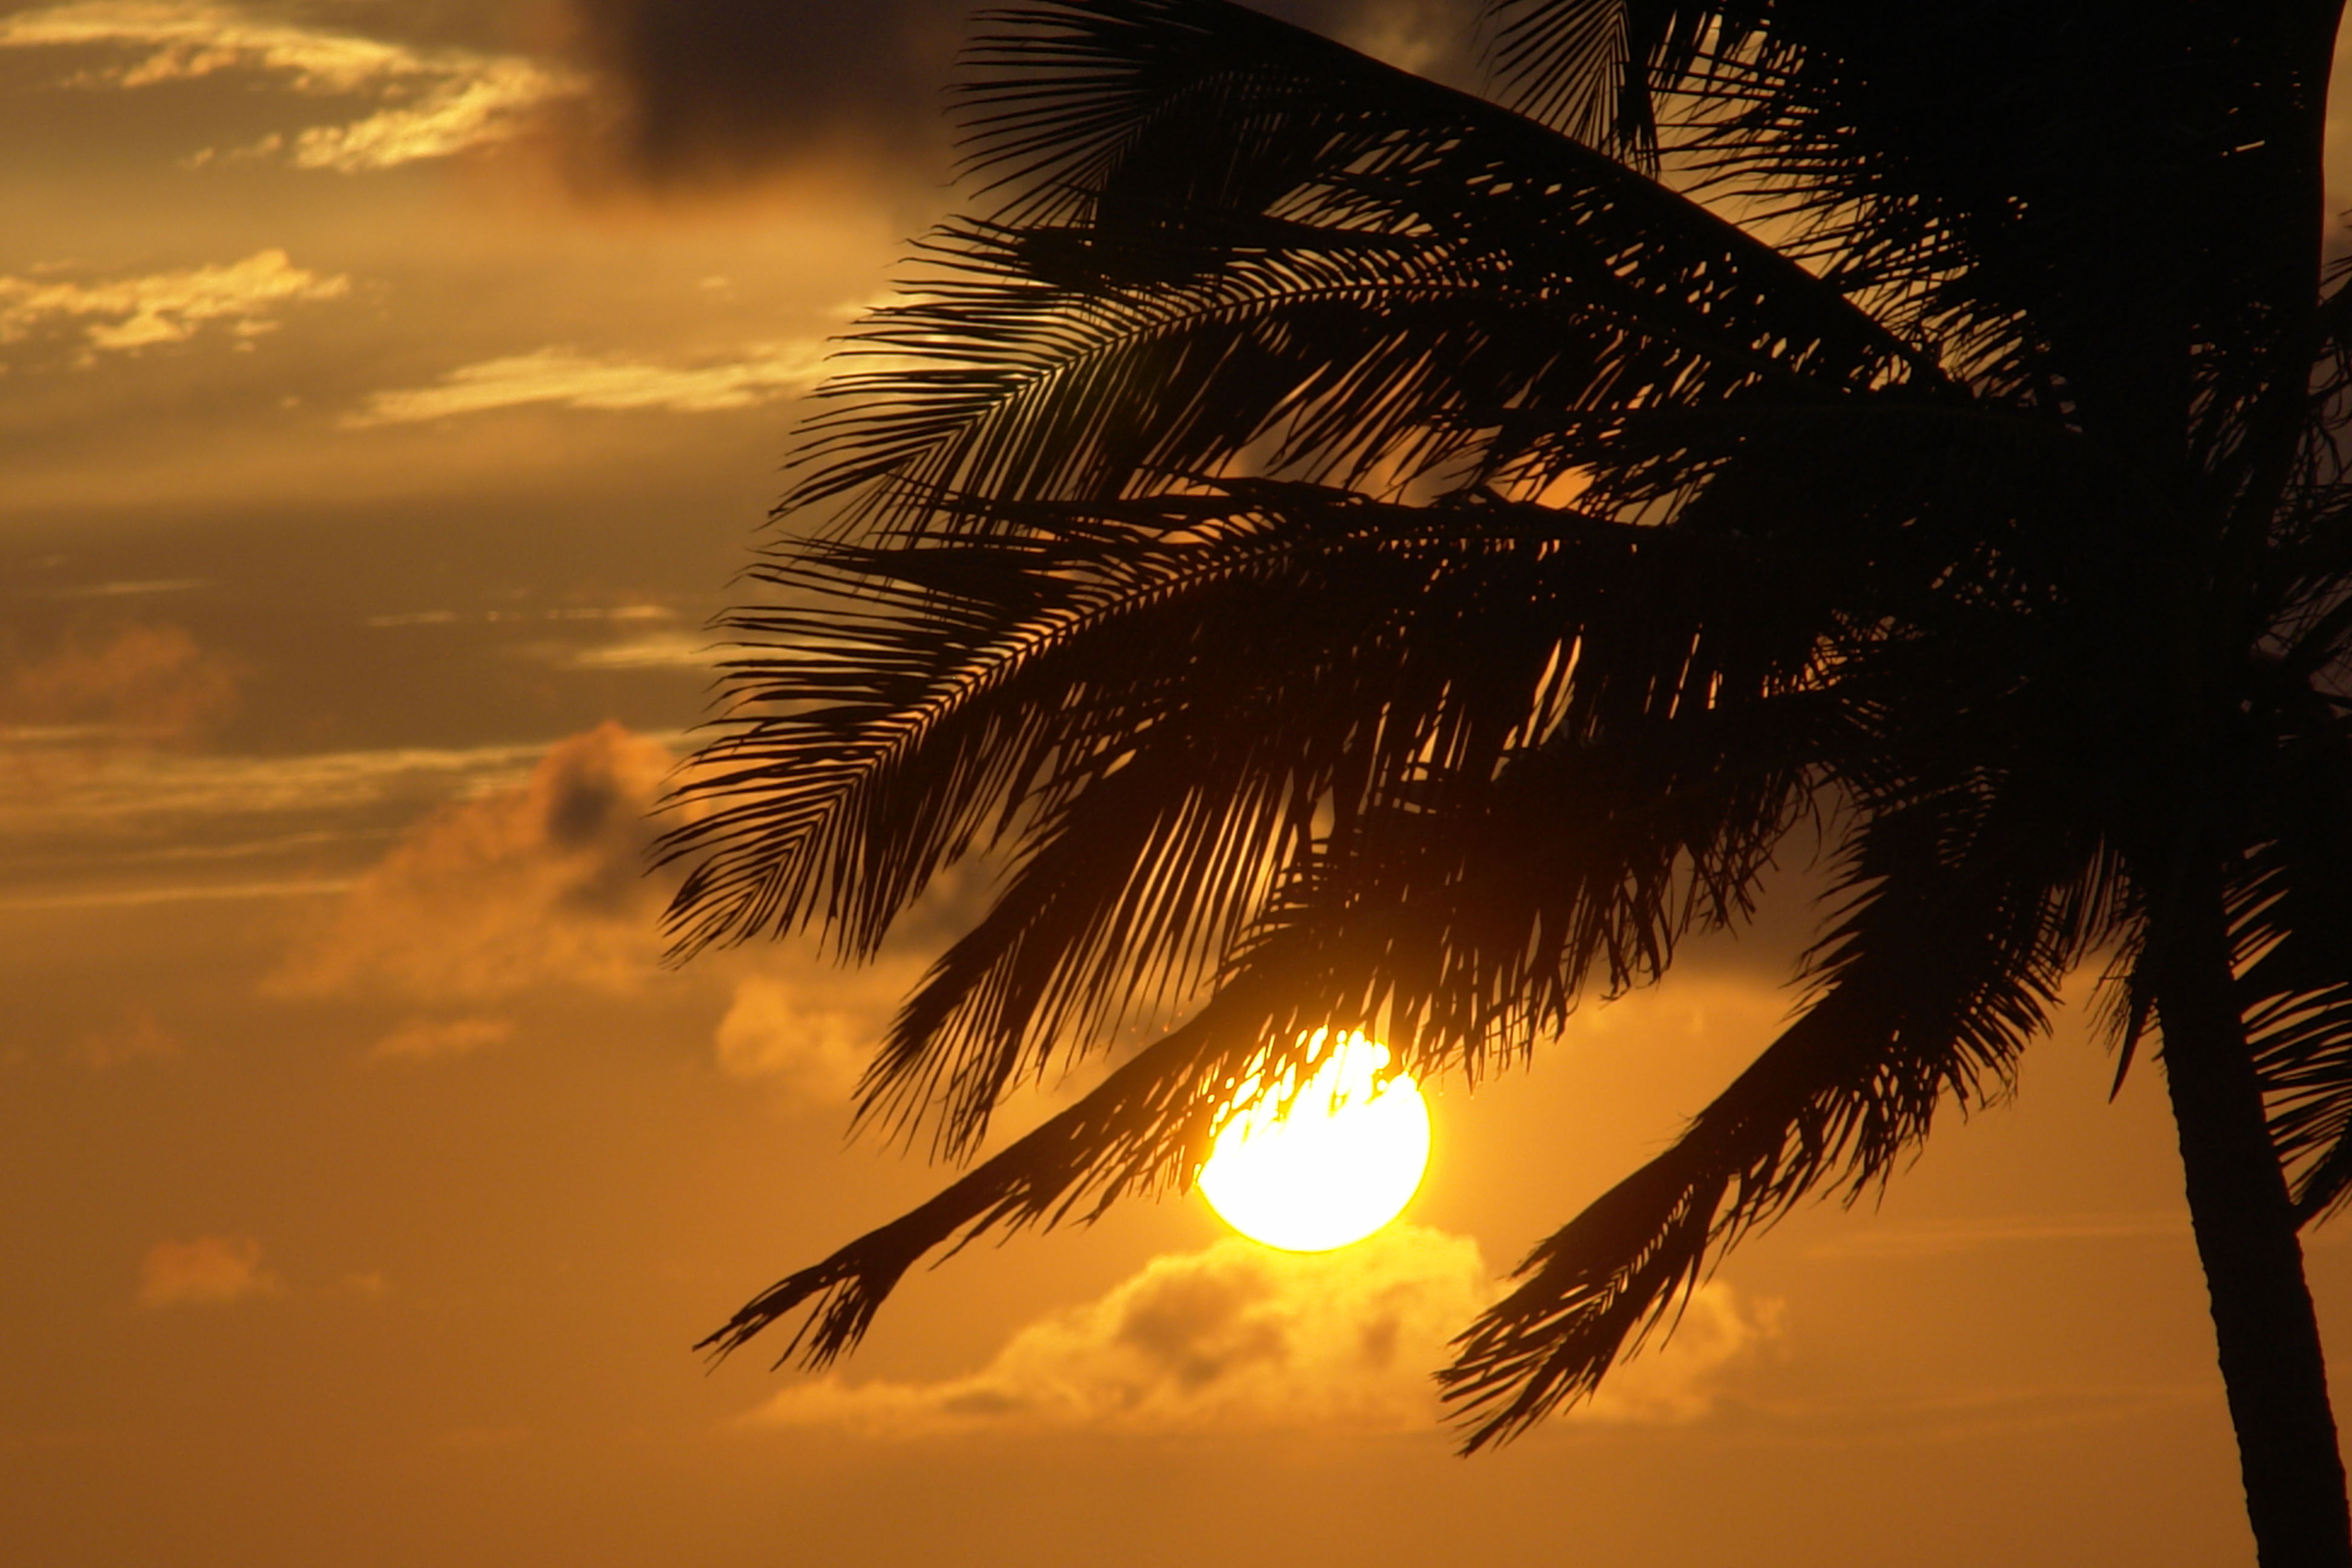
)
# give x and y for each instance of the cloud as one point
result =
(133, 898)
(1436, 38)
(716, 90)
(1889, 1240)
(495, 103)
(136, 588)
(426, 1040)
(540, 882)
(1683, 1375)
(118, 788)
(94, 703)
(573, 380)
(662, 650)
(812, 1053)
(712, 90)
(164, 306)
(434, 102)
(616, 613)
(147, 682)
(1237, 1335)
(209, 1271)
(161, 40)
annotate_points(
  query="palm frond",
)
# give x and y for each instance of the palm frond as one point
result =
(1594, 68)
(2291, 919)
(904, 708)
(1247, 242)
(1199, 587)
(1347, 948)
(1154, 698)
(1144, 1129)
(1973, 172)
(1946, 961)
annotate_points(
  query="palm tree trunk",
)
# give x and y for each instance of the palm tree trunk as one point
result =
(2272, 1363)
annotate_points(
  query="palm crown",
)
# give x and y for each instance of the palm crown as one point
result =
(1367, 556)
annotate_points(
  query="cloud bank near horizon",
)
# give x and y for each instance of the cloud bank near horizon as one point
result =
(1237, 1335)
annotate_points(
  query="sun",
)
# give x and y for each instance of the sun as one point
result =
(1313, 1166)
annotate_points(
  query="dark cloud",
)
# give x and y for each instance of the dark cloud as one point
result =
(712, 90)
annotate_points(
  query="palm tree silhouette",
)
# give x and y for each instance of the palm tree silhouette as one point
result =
(1367, 556)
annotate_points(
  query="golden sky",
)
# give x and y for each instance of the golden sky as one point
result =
(388, 389)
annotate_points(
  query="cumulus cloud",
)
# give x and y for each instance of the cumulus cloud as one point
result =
(813, 1052)
(433, 103)
(1683, 1375)
(540, 882)
(1237, 1335)
(209, 1271)
(115, 314)
(573, 380)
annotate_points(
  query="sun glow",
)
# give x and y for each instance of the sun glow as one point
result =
(1309, 1167)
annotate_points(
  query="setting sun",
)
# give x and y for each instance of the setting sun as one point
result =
(1313, 1166)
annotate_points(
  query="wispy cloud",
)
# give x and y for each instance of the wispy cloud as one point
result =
(617, 613)
(573, 380)
(243, 297)
(134, 588)
(492, 103)
(1237, 1336)
(663, 650)
(116, 790)
(426, 1040)
(1941, 1239)
(193, 892)
(432, 102)
(158, 40)
(92, 816)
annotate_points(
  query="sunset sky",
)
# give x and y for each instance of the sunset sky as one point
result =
(389, 392)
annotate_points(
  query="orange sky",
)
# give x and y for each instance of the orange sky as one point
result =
(391, 389)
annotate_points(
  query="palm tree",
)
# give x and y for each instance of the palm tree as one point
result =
(1364, 555)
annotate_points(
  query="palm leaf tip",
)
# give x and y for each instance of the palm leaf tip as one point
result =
(842, 1297)
(1548, 1344)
